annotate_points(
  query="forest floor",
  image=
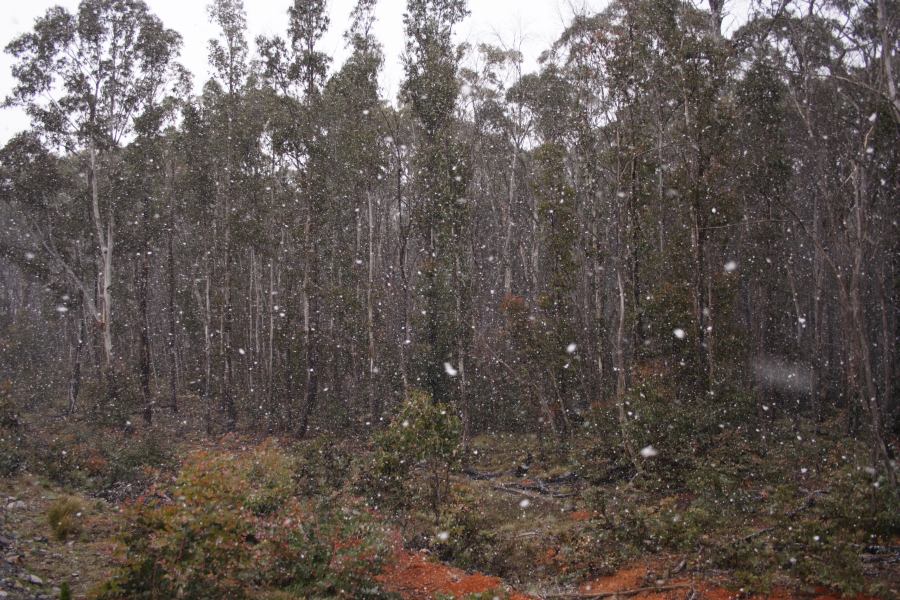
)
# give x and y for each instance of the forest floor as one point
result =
(34, 563)
(538, 532)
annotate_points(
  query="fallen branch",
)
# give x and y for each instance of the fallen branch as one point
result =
(620, 593)
(808, 502)
(473, 474)
(529, 493)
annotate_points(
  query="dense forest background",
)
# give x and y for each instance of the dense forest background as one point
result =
(660, 211)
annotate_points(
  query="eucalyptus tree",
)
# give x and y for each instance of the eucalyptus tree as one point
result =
(297, 71)
(228, 55)
(358, 160)
(147, 182)
(837, 83)
(85, 79)
(431, 90)
(47, 239)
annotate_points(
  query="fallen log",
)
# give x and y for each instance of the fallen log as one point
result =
(618, 593)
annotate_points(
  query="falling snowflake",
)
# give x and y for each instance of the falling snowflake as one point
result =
(649, 452)
(448, 368)
(679, 333)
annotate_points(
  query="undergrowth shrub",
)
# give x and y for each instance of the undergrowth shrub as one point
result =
(100, 461)
(465, 537)
(323, 466)
(9, 413)
(11, 435)
(65, 518)
(424, 434)
(790, 505)
(232, 524)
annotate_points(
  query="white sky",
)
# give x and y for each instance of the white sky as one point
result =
(536, 22)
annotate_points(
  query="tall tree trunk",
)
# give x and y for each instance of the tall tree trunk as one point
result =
(312, 346)
(171, 342)
(144, 333)
(105, 274)
(621, 381)
(701, 307)
(374, 400)
(508, 225)
(75, 381)
(887, 56)
(228, 403)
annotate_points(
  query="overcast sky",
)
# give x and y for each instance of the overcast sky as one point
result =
(537, 22)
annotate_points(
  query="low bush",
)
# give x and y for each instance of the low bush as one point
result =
(323, 466)
(100, 461)
(12, 459)
(65, 518)
(465, 537)
(424, 434)
(806, 513)
(232, 524)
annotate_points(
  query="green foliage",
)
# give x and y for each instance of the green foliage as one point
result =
(234, 525)
(11, 456)
(65, 517)
(9, 414)
(101, 461)
(464, 536)
(758, 513)
(425, 434)
(322, 466)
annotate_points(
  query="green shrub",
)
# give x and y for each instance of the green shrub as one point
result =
(11, 457)
(65, 518)
(425, 434)
(9, 414)
(234, 525)
(130, 461)
(101, 461)
(464, 537)
(322, 466)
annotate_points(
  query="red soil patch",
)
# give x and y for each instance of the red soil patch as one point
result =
(415, 578)
(636, 578)
(580, 515)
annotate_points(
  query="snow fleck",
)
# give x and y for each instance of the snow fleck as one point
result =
(448, 368)
(679, 333)
(571, 348)
(731, 266)
(241, 351)
(649, 452)
(525, 503)
(443, 536)
(62, 309)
